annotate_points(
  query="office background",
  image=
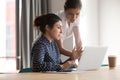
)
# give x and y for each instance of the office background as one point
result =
(99, 27)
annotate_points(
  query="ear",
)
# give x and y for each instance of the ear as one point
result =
(47, 28)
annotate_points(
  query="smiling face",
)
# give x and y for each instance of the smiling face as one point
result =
(72, 14)
(56, 31)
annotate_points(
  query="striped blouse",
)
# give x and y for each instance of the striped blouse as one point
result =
(45, 56)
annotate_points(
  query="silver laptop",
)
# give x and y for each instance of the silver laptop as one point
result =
(92, 58)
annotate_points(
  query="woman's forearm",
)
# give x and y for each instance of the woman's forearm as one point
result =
(78, 41)
(65, 52)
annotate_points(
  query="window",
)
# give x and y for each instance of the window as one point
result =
(8, 35)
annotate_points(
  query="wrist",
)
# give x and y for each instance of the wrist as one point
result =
(62, 67)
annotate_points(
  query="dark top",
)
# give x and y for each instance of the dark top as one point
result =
(45, 56)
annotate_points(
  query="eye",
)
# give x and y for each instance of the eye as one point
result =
(58, 27)
(77, 14)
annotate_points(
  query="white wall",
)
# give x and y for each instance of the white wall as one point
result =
(110, 26)
(110, 23)
(89, 22)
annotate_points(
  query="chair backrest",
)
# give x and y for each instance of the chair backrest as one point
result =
(25, 70)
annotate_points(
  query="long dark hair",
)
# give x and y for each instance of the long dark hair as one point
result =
(72, 4)
(48, 19)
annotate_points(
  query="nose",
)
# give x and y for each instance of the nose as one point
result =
(61, 31)
(74, 17)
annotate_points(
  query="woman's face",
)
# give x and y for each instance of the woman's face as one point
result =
(72, 14)
(56, 31)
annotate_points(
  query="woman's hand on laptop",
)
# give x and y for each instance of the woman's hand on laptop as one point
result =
(79, 52)
(68, 64)
(76, 54)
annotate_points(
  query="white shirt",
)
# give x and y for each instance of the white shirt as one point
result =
(68, 30)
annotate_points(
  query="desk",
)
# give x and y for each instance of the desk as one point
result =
(102, 74)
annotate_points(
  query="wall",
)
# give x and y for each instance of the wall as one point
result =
(110, 23)
(91, 21)
(110, 26)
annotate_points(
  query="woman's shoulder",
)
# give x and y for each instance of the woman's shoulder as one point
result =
(39, 42)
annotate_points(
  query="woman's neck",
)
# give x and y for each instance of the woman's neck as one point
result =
(69, 24)
(48, 37)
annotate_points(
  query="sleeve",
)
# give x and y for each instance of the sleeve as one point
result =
(39, 64)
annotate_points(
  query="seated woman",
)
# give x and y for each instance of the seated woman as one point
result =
(45, 53)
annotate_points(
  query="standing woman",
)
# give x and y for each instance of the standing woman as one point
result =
(70, 20)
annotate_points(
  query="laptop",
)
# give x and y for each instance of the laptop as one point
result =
(91, 59)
